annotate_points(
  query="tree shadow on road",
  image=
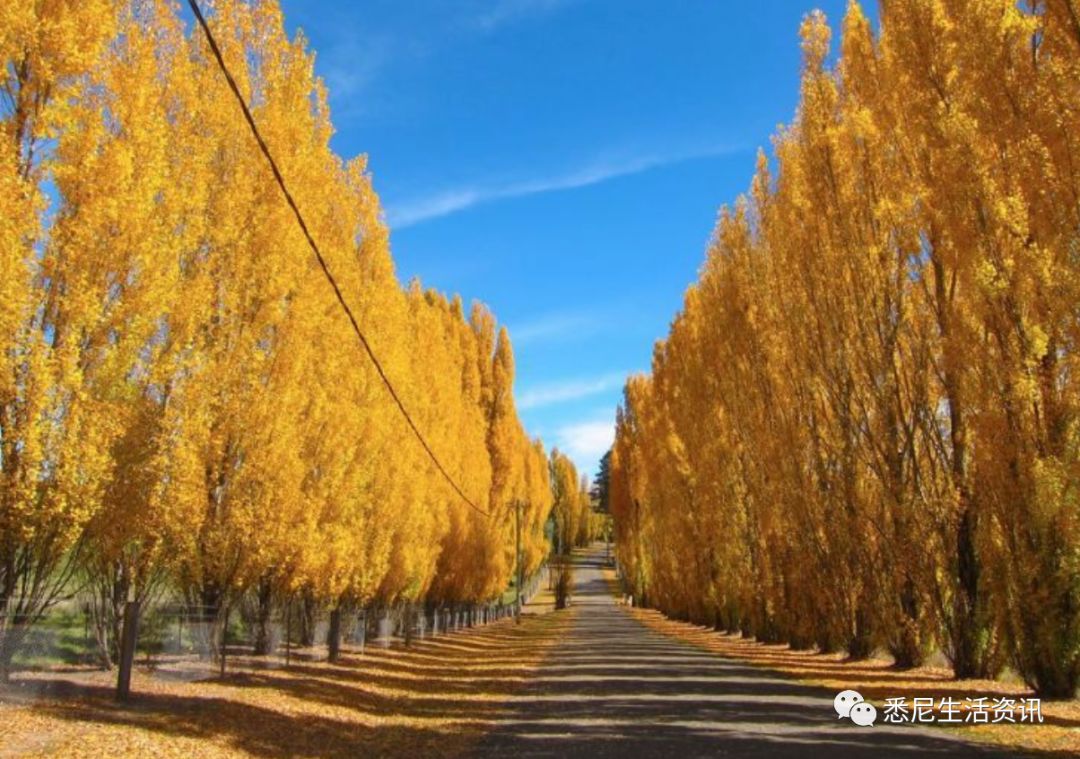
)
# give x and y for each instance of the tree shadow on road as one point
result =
(617, 687)
(433, 699)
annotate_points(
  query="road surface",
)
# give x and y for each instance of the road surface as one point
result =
(615, 688)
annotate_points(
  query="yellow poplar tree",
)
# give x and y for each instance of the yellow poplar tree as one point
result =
(54, 335)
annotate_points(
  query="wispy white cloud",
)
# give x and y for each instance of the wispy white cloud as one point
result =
(586, 442)
(353, 59)
(358, 49)
(504, 12)
(556, 325)
(458, 199)
(568, 390)
(350, 65)
(432, 207)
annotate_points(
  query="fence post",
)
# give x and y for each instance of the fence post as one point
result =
(128, 639)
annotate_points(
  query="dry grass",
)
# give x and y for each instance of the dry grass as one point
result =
(434, 699)
(876, 680)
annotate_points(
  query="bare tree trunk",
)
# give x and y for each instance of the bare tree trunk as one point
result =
(309, 610)
(333, 635)
(263, 642)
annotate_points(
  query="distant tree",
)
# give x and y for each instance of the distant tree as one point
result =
(600, 485)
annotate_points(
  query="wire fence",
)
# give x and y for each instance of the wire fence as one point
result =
(179, 640)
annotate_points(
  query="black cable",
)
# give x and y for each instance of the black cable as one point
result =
(322, 261)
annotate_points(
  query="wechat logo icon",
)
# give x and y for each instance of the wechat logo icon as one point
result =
(849, 704)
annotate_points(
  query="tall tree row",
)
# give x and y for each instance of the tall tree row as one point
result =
(182, 403)
(574, 521)
(862, 429)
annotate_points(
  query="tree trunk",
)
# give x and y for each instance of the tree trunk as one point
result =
(861, 644)
(263, 641)
(968, 659)
(308, 614)
(907, 647)
(14, 635)
(333, 635)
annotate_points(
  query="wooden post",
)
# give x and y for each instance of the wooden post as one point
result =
(128, 639)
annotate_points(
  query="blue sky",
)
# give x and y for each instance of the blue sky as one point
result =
(560, 160)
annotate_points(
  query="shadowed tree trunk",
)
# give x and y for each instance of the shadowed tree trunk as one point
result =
(309, 610)
(264, 610)
(333, 635)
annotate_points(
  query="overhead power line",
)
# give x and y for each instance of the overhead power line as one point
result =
(322, 261)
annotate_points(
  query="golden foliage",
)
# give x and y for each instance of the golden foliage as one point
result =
(180, 397)
(862, 428)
